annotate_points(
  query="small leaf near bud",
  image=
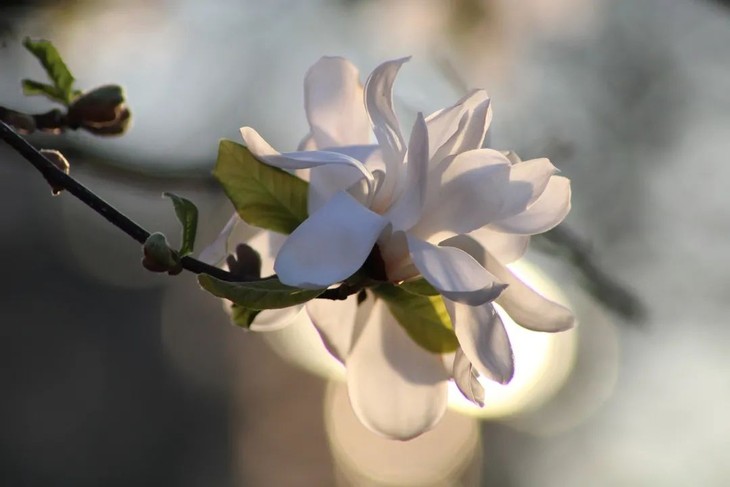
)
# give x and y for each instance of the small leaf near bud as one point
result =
(102, 111)
(60, 162)
(159, 257)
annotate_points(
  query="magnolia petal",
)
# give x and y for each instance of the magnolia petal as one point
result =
(397, 389)
(380, 110)
(326, 181)
(307, 143)
(546, 213)
(267, 244)
(527, 181)
(214, 253)
(335, 322)
(506, 247)
(450, 125)
(466, 378)
(483, 339)
(407, 209)
(333, 102)
(454, 273)
(275, 319)
(330, 245)
(512, 156)
(292, 161)
(465, 193)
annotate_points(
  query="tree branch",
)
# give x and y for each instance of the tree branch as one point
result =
(58, 178)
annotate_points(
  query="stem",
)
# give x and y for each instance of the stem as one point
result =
(59, 179)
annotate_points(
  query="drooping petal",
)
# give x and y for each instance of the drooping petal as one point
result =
(454, 273)
(326, 181)
(214, 253)
(483, 339)
(506, 247)
(333, 102)
(335, 322)
(307, 143)
(396, 388)
(466, 192)
(523, 304)
(547, 212)
(330, 245)
(292, 161)
(380, 110)
(407, 209)
(465, 377)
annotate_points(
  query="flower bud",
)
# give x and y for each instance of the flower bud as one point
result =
(102, 111)
(60, 162)
(159, 257)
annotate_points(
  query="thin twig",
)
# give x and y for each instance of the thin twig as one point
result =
(59, 179)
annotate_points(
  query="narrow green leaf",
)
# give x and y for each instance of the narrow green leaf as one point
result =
(243, 317)
(187, 214)
(258, 295)
(52, 62)
(419, 286)
(34, 88)
(264, 196)
(424, 318)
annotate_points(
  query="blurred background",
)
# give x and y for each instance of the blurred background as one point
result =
(113, 376)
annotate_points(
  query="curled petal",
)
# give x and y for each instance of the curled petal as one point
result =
(330, 245)
(396, 388)
(379, 106)
(292, 161)
(407, 209)
(333, 102)
(275, 319)
(454, 273)
(527, 182)
(546, 213)
(483, 339)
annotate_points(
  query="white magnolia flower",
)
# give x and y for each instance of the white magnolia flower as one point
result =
(437, 206)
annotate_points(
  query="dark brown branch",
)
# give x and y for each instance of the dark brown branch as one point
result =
(58, 178)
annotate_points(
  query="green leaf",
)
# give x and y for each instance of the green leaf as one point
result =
(187, 214)
(424, 318)
(33, 88)
(264, 196)
(56, 69)
(419, 286)
(258, 295)
(243, 317)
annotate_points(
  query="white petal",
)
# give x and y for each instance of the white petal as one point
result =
(267, 244)
(506, 247)
(454, 273)
(335, 322)
(214, 253)
(547, 212)
(379, 106)
(396, 388)
(527, 181)
(512, 156)
(307, 143)
(326, 181)
(465, 192)
(461, 127)
(526, 306)
(465, 376)
(330, 245)
(523, 304)
(333, 102)
(275, 319)
(483, 339)
(292, 161)
(407, 209)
